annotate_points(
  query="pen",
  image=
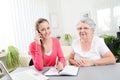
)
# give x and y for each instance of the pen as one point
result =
(59, 71)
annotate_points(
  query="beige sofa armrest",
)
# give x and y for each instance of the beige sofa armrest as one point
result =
(66, 52)
(25, 59)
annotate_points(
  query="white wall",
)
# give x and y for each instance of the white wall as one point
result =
(70, 12)
(17, 18)
(5, 25)
(55, 12)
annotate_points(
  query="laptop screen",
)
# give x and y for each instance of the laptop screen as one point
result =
(4, 74)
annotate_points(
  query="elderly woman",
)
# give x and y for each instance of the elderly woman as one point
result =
(89, 50)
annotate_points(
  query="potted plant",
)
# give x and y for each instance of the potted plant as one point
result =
(108, 38)
(113, 43)
(12, 58)
(68, 39)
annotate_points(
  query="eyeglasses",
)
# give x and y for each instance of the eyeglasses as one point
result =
(85, 28)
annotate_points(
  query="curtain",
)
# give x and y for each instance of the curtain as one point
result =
(20, 20)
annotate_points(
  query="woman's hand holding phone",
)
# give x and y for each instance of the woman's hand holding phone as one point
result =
(38, 38)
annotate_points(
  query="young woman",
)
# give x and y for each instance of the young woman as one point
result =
(46, 49)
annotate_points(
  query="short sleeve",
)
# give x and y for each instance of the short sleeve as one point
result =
(76, 46)
(102, 47)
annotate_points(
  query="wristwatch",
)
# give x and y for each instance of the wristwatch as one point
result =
(94, 63)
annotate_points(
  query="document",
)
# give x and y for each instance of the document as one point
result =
(68, 70)
(28, 75)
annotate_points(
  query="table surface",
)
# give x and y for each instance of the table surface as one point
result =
(107, 72)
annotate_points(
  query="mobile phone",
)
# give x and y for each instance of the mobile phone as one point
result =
(38, 32)
(41, 41)
(40, 37)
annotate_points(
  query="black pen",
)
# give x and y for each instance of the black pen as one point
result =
(59, 71)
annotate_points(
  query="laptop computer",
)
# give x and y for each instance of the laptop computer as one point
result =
(29, 74)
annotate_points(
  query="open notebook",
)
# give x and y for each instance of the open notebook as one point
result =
(29, 74)
(68, 70)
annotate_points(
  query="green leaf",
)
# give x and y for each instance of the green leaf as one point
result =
(110, 39)
(68, 38)
(12, 57)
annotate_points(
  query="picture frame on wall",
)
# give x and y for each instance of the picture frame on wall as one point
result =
(85, 14)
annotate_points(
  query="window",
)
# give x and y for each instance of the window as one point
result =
(116, 14)
(104, 20)
(108, 19)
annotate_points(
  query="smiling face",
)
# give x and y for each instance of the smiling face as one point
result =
(84, 30)
(44, 29)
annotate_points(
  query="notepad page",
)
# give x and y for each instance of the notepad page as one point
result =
(52, 71)
(28, 75)
(69, 70)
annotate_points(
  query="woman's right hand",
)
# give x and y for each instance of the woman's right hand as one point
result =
(37, 38)
(80, 62)
(83, 62)
(59, 66)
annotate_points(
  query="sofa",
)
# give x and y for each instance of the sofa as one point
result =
(66, 51)
(26, 57)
